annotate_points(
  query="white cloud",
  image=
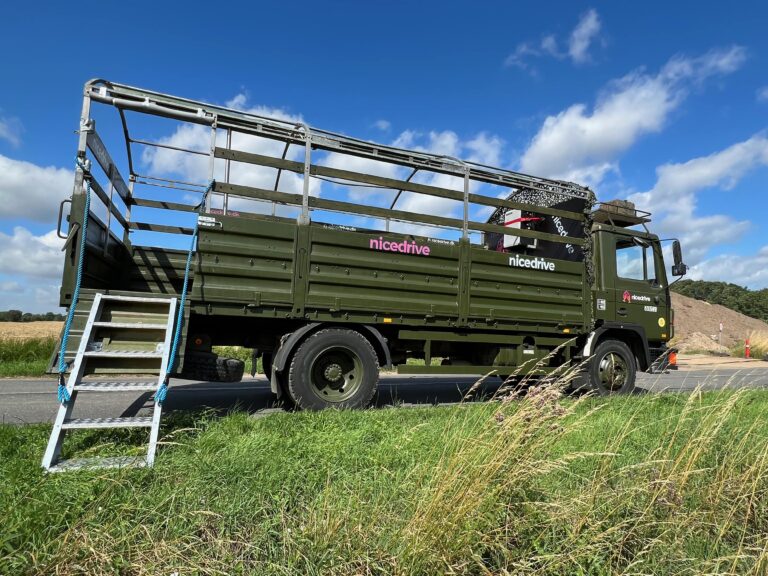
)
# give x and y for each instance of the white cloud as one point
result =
(576, 48)
(33, 297)
(673, 198)
(10, 130)
(31, 191)
(677, 184)
(750, 271)
(485, 149)
(584, 143)
(582, 36)
(762, 94)
(23, 253)
(520, 57)
(383, 125)
(11, 286)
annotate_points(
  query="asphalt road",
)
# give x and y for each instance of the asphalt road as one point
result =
(27, 401)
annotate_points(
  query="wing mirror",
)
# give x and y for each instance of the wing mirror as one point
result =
(678, 268)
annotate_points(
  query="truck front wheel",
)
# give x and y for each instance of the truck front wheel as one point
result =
(612, 368)
(333, 368)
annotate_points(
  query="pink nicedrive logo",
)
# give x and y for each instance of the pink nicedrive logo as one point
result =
(404, 247)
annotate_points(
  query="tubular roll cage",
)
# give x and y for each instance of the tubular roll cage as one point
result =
(127, 98)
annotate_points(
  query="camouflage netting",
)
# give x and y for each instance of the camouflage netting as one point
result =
(548, 224)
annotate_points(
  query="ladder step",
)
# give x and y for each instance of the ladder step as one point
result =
(96, 463)
(116, 386)
(122, 354)
(144, 299)
(132, 422)
(131, 325)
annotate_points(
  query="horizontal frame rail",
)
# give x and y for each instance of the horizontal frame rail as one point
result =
(146, 203)
(146, 226)
(99, 151)
(395, 184)
(373, 211)
(96, 187)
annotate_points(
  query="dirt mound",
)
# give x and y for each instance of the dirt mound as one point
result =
(698, 342)
(26, 330)
(697, 321)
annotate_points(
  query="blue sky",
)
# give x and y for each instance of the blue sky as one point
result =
(655, 102)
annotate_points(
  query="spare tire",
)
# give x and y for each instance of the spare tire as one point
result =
(208, 366)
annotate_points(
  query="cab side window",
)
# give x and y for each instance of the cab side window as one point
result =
(635, 262)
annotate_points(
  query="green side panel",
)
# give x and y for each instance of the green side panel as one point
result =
(245, 262)
(346, 275)
(499, 291)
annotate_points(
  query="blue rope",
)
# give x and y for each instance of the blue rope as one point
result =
(162, 391)
(62, 393)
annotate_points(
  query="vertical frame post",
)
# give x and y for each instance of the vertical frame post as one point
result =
(127, 231)
(465, 223)
(109, 209)
(212, 160)
(227, 170)
(304, 216)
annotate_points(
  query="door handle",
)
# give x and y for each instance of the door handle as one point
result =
(621, 311)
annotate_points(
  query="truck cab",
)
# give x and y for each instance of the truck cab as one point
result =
(631, 289)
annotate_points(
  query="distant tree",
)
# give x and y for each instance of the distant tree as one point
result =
(14, 315)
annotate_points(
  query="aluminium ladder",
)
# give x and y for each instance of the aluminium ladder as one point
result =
(122, 333)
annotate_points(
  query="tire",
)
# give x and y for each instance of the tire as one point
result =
(207, 366)
(333, 368)
(612, 369)
(266, 364)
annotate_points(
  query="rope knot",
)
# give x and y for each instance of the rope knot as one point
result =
(162, 393)
(61, 392)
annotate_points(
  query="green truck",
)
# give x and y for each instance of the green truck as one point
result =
(333, 257)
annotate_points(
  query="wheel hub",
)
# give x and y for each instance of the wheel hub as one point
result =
(333, 372)
(612, 371)
(336, 374)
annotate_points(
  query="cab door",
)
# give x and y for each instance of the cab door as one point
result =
(639, 292)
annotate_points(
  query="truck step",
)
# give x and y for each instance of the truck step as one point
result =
(116, 386)
(88, 423)
(98, 463)
(115, 298)
(125, 355)
(122, 354)
(131, 325)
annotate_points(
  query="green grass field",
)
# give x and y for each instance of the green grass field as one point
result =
(27, 357)
(663, 484)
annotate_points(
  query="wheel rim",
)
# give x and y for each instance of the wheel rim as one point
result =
(612, 371)
(336, 374)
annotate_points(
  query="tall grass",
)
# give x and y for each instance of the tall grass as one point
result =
(758, 346)
(25, 357)
(526, 484)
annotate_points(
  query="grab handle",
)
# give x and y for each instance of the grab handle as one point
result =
(61, 214)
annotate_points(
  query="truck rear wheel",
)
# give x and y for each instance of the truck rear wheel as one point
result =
(333, 368)
(612, 368)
